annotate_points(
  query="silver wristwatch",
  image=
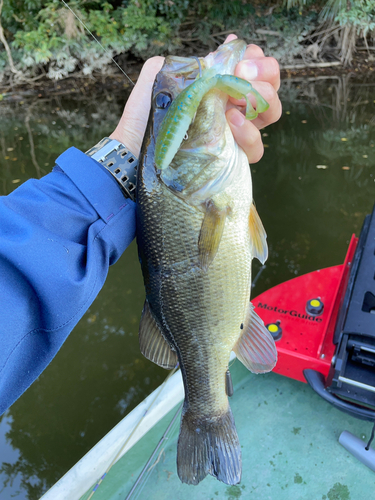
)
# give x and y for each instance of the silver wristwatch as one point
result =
(119, 161)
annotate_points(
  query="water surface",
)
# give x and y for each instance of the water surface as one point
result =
(312, 189)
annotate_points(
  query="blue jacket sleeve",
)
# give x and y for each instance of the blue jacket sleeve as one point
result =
(58, 236)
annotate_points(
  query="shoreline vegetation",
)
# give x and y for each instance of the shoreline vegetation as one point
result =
(44, 48)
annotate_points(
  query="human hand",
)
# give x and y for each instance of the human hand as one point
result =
(264, 74)
(132, 125)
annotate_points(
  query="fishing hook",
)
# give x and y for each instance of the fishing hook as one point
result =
(199, 65)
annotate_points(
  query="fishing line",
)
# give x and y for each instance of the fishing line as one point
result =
(231, 363)
(170, 432)
(258, 275)
(145, 471)
(94, 37)
(132, 432)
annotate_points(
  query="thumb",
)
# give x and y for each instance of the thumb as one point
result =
(132, 125)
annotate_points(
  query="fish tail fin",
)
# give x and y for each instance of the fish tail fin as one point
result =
(208, 447)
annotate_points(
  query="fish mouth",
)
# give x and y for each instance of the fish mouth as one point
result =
(207, 129)
(179, 72)
(204, 161)
(199, 157)
(226, 57)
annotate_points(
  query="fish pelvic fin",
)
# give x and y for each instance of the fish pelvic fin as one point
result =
(228, 384)
(256, 347)
(208, 446)
(210, 234)
(152, 342)
(258, 236)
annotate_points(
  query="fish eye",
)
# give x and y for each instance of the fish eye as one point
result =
(163, 100)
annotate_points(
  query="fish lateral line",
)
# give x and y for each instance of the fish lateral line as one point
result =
(181, 112)
(205, 310)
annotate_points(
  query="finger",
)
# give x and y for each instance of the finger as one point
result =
(253, 51)
(132, 125)
(246, 135)
(144, 84)
(272, 114)
(229, 38)
(262, 69)
(274, 111)
(255, 66)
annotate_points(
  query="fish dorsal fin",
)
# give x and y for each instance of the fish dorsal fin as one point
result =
(258, 236)
(210, 234)
(152, 342)
(256, 348)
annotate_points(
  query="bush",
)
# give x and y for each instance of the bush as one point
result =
(56, 40)
(45, 36)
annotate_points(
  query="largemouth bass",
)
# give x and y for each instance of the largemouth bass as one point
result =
(197, 233)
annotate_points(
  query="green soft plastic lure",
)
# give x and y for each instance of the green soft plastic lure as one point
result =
(182, 110)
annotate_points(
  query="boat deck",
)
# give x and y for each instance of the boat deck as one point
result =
(290, 450)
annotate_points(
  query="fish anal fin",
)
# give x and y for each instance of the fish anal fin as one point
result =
(210, 234)
(152, 342)
(258, 236)
(256, 347)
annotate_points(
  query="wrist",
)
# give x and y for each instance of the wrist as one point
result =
(126, 139)
(118, 159)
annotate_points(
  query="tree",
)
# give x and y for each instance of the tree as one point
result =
(344, 20)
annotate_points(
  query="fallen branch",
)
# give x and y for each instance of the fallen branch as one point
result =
(329, 30)
(312, 65)
(220, 33)
(5, 43)
(268, 32)
(302, 79)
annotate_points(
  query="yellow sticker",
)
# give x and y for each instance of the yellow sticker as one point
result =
(315, 303)
(272, 328)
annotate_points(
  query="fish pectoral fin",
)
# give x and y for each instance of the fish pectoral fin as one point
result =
(256, 348)
(152, 342)
(210, 234)
(258, 236)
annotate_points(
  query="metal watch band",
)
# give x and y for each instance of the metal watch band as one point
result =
(119, 161)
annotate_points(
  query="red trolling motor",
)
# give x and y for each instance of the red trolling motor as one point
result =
(324, 327)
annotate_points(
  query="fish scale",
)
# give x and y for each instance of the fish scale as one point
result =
(201, 324)
(195, 222)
